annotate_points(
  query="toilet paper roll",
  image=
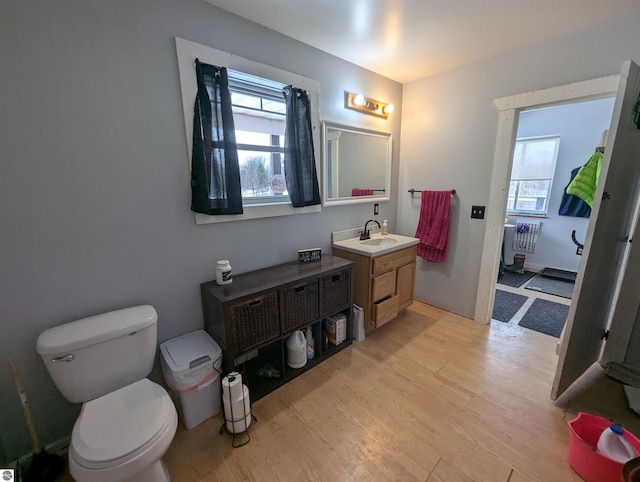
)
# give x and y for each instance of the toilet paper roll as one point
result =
(232, 386)
(237, 411)
(237, 408)
(241, 426)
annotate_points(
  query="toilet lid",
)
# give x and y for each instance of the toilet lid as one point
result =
(119, 423)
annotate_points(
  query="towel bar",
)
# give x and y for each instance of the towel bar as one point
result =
(453, 191)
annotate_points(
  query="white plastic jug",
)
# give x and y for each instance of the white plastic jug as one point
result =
(612, 444)
(296, 350)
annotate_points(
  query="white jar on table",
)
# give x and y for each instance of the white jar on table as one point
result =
(223, 272)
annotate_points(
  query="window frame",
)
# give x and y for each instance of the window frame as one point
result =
(525, 212)
(187, 51)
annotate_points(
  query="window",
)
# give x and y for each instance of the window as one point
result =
(259, 118)
(534, 162)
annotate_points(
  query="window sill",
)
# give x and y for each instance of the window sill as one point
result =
(257, 212)
(527, 215)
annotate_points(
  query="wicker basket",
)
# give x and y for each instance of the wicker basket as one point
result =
(301, 305)
(255, 322)
(335, 292)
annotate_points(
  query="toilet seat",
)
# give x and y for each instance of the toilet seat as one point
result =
(120, 426)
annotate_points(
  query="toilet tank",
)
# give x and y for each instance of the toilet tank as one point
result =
(94, 356)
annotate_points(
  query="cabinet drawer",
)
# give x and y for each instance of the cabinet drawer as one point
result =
(254, 321)
(300, 305)
(383, 286)
(390, 261)
(385, 311)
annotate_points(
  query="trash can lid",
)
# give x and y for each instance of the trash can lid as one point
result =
(190, 351)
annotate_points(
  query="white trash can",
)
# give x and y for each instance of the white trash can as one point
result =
(191, 366)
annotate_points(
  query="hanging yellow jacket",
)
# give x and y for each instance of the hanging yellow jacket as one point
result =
(585, 183)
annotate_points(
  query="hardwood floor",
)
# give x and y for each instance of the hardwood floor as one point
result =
(431, 396)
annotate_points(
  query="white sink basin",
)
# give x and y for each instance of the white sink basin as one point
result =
(377, 245)
(383, 241)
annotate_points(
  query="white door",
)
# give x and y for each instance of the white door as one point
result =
(602, 277)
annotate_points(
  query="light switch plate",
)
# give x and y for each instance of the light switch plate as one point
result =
(477, 212)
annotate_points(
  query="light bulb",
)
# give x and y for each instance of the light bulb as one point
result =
(388, 109)
(358, 99)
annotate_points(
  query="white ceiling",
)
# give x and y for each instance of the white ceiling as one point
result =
(407, 40)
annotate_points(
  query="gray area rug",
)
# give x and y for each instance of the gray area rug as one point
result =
(514, 279)
(551, 286)
(546, 317)
(506, 305)
(561, 274)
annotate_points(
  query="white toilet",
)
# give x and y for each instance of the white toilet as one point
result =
(127, 422)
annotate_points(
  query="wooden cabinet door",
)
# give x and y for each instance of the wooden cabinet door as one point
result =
(405, 283)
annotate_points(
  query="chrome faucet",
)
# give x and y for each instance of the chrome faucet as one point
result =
(365, 233)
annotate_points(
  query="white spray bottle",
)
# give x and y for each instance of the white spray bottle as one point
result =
(311, 349)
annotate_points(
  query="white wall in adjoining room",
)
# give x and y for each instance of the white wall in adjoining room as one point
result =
(580, 127)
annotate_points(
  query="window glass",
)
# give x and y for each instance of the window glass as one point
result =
(534, 163)
(243, 100)
(259, 117)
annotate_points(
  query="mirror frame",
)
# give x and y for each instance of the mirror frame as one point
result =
(326, 201)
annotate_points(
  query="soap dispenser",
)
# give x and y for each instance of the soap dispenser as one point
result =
(385, 229)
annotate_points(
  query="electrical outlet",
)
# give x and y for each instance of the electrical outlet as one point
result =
(376, 209)
(477, 212)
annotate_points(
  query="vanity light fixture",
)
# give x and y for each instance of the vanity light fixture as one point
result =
(368, 106)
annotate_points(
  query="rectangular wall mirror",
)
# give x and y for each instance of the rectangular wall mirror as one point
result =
(357, 165)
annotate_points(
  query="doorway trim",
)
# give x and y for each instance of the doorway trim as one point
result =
(509, 109)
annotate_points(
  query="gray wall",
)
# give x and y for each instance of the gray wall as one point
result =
(94, 181)
(580, 126)
(449, 125)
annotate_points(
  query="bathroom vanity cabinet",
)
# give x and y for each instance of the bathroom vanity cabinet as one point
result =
(252, 318)
(384, 284)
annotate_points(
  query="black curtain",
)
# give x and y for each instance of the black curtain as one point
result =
(215, 171)
(299, 160)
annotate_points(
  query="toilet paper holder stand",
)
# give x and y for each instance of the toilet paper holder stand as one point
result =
(238, 437)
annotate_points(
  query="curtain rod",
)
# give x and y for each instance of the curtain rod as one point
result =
(453, 191)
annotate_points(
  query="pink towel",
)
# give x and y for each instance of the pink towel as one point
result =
(433, 225)
(361, 192)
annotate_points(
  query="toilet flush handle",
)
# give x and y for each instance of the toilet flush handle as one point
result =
(68, 357)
